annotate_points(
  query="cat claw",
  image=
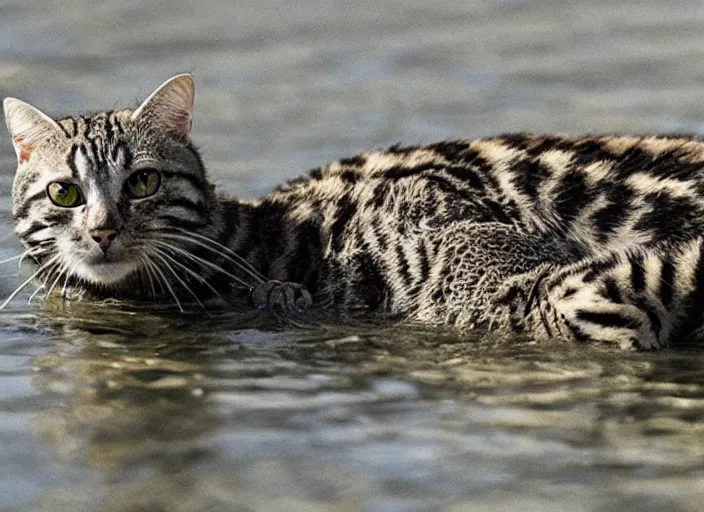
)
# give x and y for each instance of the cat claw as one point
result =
(282, 297)
(516, 298)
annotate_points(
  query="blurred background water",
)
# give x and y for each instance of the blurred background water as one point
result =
(110, 408)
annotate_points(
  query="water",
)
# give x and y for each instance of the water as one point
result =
(104, 407)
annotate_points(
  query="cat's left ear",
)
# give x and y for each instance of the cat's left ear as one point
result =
(170, 107)
(27, 126)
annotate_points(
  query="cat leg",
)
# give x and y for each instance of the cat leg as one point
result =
(642, 298)
(283, 297)
(470, 263)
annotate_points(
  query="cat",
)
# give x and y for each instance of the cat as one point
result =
(590, 239)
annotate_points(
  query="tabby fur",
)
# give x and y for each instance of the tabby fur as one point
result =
(591, 239)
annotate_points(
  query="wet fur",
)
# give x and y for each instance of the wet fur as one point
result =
(581, 238)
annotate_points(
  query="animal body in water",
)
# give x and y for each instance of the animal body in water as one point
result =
(593, 238)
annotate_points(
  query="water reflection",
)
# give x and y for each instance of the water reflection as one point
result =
(112, 408)
(149, 409)
(118, 402)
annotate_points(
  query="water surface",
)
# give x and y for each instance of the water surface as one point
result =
(113, 407)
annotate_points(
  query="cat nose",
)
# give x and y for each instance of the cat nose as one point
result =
(103, 237)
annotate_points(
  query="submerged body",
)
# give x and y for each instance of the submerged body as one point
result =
(584, 238)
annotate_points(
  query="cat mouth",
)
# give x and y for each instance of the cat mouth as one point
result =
(105, 259)
(106, 270)
(115, 255)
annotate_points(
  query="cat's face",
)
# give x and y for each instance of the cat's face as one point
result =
(99, 193)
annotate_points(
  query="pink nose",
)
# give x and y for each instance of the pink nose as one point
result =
(103, 237)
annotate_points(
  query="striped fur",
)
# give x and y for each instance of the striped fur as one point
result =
(582, 238)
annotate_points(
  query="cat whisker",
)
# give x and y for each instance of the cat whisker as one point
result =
(13, 258)
(195, 258)
(220, 250)
(159, 272)
(31, 253)
(158, 254)
(64, 287)
(192, 273)
(19, 289)
(152, 271)
(145, 267)
(42, 286)
(224, 249)
(238, 264)
(61, 271)
(23, 255)
(24, 284)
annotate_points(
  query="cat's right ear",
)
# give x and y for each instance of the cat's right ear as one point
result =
(170, 107)
(27, 126)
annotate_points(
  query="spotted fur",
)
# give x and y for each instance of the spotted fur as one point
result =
(581, 238)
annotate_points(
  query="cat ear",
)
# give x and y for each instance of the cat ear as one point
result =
(170, 107)
(27, 126)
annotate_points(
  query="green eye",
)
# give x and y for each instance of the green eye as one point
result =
(64, 194)
(143, 183)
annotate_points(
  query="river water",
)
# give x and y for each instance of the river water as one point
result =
(111, 408)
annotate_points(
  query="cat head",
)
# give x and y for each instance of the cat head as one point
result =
(94, 194)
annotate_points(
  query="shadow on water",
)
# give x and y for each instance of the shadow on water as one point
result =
(147, 408)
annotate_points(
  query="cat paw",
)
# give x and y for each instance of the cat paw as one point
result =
(282, 297)
(585, 315)
(516, 299)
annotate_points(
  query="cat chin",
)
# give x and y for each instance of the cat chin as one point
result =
(105, 273)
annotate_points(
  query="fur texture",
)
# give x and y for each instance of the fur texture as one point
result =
(583, 238)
